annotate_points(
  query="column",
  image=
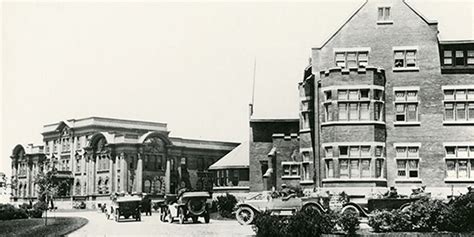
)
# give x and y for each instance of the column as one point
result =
(116, 173)
(87, 176)
(93, 178)
(123, 173)
(139, 175)
(111, 173)
(167, 176)
(27, 183)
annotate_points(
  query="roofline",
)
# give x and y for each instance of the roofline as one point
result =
(266, 120)
(230, 143)
(429, 22)
(456, 42)
(343, 24)
(105, 118)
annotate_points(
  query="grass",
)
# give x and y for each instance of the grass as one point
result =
(57, 226)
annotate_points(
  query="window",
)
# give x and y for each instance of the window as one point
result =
(353, 59)
(460, 162)
(306, 171)
(458, 57)
(344, 168)
(406, 106)
(470, 57)
(383, 14)
(365, 169)
(378, 168)
(364, 111)
(329, 169)
(291, 169)
(459, 105)
(378, 151)
(327, 112)
(355, 105)
(378, 108)
(342, 111)
(78, 165)
(354, 162)
(343, 151)
(328, 95)
(329, 151)
(448, 57)
(405, 58)
(407, 158)
(306, 122)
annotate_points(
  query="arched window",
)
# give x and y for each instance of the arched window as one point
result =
(99, 185)
(157, 186)
(147, 186)
(20, 191)
(78, 188)
(154, 153)
(106, 185)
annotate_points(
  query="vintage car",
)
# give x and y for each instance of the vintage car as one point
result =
(401, 202)
(128, 206)
(247, 209)
(188, 205)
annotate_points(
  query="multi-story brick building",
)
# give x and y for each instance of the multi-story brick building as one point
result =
(384, 102)
(99, 156)
(390, 104)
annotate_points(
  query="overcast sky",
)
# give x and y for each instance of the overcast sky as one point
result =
(186, 64)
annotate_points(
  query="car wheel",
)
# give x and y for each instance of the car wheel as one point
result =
(195, 219)
(245, 215)
(352, 209)
(311, 207)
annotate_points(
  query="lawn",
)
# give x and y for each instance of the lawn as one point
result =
(57, 226)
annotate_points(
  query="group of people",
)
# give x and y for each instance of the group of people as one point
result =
(416, 192)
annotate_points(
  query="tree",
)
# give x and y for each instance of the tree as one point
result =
(47, 189)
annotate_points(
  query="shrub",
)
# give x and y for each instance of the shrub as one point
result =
(226, 204)
(304, 223)
(9, 212)
(349, 222)
(328, 222)
(308, 222)
(380, 220)
(267, 224)
(400, 221)
(459, 215)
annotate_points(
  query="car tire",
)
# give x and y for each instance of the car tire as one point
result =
(311, 207)
(207, 217)
(195, 219)
(350, 208)
(245, 215)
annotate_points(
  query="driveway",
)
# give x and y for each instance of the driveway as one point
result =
(151, 226)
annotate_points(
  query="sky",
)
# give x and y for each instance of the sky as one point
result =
(187, 64)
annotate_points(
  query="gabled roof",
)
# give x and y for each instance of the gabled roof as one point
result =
(237, 158)
(429, 22)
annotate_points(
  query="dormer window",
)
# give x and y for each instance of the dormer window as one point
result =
(384, 15)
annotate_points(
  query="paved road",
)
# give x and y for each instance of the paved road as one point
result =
(151, 226)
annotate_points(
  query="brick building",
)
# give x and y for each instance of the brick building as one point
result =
(95, 157)
(385, 102)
